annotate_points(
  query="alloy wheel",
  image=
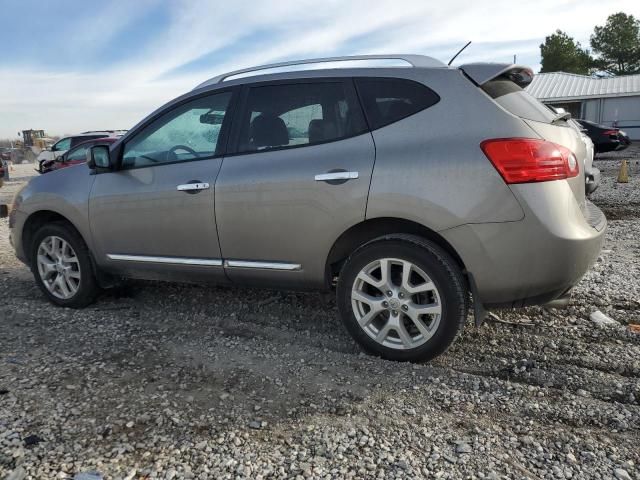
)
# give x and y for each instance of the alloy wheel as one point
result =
(58, 267)
(396, 303)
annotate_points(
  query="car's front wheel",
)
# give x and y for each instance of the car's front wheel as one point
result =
(62, 266)
(402, 298)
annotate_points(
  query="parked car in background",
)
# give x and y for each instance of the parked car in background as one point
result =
(5, 154)
(591, 174)
(74, 156)
(66, 143)
(410, 191)
(605, 139)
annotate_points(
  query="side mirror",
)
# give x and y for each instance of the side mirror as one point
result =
(98, 157)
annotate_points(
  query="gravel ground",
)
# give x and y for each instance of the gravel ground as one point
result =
(177, 381)
(619, 200)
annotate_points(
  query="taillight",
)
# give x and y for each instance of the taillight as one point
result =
(610, 132)
(526, 160)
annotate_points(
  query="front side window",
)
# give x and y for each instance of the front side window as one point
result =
(387, 100)
(63, 144)
(78, 153)
(281, 116)
(188, 132)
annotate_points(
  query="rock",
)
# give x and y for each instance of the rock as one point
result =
(88, 476)
(255, 425)
(602, 320)
(17, 474)
(171, 474)
(571, 458)
(449, 458)
(32, 440)
(463, 447)
(6, 460)
(131, 475)
(621, 474)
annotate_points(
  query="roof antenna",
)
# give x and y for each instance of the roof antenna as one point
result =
(459, 52)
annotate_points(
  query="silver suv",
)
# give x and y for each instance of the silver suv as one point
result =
(414, 189)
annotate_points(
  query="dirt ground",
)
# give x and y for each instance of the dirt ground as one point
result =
(179, 381)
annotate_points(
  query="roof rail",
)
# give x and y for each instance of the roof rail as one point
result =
(417, 61)
(105, 131)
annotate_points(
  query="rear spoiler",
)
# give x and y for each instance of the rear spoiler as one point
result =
(482, 73)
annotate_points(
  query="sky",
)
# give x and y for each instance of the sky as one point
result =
(74, 65)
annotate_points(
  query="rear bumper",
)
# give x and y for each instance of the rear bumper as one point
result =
(537, 259)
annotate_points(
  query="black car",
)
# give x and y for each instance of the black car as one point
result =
(605, 139)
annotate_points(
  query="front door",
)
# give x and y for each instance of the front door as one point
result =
(154, 216)
(298, 178)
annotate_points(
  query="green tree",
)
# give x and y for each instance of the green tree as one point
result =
(561, 53)
(618, 44)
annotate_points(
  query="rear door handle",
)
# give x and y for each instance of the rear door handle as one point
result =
(326, 177)
(193, 187)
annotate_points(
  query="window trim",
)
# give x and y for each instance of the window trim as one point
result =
(75, 141)
(242, 112)
(364, 110)
(223, 138)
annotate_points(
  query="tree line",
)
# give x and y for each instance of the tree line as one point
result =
(615, 49)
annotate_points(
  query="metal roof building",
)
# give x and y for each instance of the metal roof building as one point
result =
(613, 101)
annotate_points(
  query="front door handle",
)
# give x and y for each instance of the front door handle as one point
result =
(193, 187)
(342, 175)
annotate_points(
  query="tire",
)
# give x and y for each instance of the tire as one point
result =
(80, 287)
(424, 313)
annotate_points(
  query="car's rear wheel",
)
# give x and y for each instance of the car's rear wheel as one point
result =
(402, 298)
(62, 266)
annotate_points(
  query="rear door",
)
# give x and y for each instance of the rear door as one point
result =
(154, 217)
(299, 177)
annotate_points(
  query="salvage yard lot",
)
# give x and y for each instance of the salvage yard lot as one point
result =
(178, 381)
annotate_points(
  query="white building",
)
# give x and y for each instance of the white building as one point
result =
(611, 101)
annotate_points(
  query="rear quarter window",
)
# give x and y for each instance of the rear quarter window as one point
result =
(517, 101)
(388, 100)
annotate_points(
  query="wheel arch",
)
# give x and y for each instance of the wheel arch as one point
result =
(36, 220)
(369, 229)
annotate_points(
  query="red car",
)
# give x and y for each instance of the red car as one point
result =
(74, 156)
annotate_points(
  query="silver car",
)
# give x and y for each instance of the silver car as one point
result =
(416, 190)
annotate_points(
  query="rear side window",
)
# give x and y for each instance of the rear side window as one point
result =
(387, 100)
(293, 115)
(517, 101)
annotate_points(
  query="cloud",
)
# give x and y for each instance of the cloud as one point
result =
(173, 57)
